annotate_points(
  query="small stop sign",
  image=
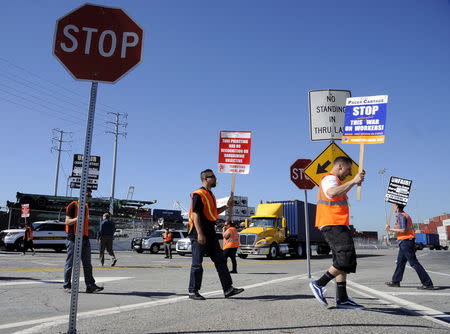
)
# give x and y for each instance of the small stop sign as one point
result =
(98, 43)
(298, 176)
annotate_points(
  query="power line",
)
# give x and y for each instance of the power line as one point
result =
(116, 134)
(59, 140)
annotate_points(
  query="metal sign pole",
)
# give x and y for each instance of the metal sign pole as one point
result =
(308, 247)
(81, 211)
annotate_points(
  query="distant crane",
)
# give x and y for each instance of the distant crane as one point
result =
(130, 192)
(178, 206)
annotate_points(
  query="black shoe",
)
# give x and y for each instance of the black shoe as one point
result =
(94, 288)
(196, 296)
(393, 284)
(166, 257)
(67, 288)
(114, 263)
(233, 291)
(426, 287)
(233, 272)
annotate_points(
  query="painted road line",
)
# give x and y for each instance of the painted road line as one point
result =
(419, 293)
(27, 282)
(43, 323)
(426, 312)
(429, 271)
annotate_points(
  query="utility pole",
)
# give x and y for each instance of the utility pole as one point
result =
(116, 134)
(59, 141)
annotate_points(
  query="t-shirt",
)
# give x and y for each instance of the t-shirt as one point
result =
(208, 226)
(72, 213)
(401, 221)
(328, 182)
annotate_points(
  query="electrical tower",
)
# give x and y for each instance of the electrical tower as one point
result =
(116, 134)
(130, 192)
(58, 140)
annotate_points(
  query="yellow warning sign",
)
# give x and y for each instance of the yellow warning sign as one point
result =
(323, 164)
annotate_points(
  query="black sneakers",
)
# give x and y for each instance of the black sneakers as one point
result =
(196, 296)
(425, 287)
(94, 288)
(393, 284)
(233, 291)
(113, 262)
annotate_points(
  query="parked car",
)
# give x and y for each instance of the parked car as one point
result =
(120, 233)
(183, 246)
(154, 242)
(47, 234)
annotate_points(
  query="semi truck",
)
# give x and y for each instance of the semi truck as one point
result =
(278, 229)
(430, 240)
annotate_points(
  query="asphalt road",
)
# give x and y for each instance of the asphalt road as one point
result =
(146, 293)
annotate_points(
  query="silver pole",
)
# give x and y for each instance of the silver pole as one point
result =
(308, 247)
(9, 219)
(113, 183)
(57, 162)
(82, 211)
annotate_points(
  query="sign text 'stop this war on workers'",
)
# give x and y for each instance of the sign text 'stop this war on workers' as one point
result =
(365, 120)
(234, 152)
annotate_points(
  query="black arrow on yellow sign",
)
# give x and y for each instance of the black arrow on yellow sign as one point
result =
(323, 168)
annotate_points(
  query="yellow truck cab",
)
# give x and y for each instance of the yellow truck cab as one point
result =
(278, 229)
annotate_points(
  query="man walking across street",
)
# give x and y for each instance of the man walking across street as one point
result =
(71, 230)
(332, 218)
(167, 239)
(406, 250)
(203, 215)
(230, 244)
(106, 237)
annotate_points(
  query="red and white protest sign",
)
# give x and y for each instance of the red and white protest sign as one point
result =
(25, 210)
(234, 152)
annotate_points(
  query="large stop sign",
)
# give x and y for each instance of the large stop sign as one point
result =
(298, 176)
(98, 43)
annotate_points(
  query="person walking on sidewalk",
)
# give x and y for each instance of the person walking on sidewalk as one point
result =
(71, 230)
(28, 239)
(406, 238)
(203, 215)
(106, 238)
(167, 239)
(230, 244)
(332, 218)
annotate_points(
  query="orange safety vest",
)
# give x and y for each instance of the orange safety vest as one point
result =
(233, 240)
(167, 237)
(331, 211)
(409, 229)
(28, 233)
(73, 228)
(209, 207)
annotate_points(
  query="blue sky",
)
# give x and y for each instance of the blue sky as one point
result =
(234, 65)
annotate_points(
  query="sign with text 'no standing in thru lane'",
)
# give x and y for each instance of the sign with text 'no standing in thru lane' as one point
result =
(326, 113)
(234, 152)
(398, 190)
(365, 120)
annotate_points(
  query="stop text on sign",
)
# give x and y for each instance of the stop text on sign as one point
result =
(106, 40)
(234, 152)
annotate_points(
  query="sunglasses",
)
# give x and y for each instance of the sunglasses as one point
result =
(210, 177)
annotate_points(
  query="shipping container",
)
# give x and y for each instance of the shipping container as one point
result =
(430, 240)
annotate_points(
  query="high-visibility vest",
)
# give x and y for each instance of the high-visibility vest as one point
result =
(331, 211)
(167, 237)
(209, 206)
(233, 240)
(28, 233)
(73, 228)
(409, 229)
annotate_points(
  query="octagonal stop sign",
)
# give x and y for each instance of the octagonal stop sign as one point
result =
(98, 43)
(298, 176)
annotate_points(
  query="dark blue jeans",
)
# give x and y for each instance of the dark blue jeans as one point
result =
(85, 259)
(407, 253)
(214, 251)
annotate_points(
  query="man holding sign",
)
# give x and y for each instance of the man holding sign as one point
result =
(406, 250)
(202, 233)
(333, 218)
